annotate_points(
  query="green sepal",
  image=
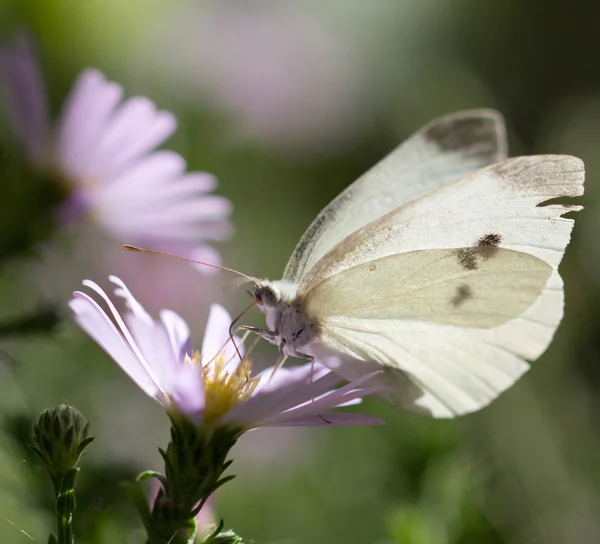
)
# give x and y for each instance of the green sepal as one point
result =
(217, 530)
(168, 465)
(195, 460)
(149, 474)
(52, 540)
(85, 442)
(36, 450)
(225, 537)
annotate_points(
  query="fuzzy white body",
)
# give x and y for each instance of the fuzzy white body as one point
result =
(288, 327)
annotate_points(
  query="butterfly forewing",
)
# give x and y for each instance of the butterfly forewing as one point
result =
(498, 206)
(441, 152)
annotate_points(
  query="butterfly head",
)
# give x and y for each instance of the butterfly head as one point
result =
(267, 295)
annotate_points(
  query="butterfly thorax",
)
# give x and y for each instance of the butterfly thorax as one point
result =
(288, 326)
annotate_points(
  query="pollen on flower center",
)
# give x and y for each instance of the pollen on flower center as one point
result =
(226, 384)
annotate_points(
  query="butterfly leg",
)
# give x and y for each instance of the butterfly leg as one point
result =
(269, 336)
(309, 358)
(278, 365)
(312, 374)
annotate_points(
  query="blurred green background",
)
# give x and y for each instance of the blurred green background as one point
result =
(287, 103)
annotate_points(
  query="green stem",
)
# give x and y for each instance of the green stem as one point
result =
(65, 506)
(64, 525)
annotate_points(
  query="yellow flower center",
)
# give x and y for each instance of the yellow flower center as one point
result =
(225, 387)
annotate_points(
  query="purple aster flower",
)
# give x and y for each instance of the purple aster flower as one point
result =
(103, 148)
(213, 387)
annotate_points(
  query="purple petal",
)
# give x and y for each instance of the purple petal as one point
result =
(150, 228)
(148, 213)
(93, 320)
(267, 403)
(216, 334)
(187, 191)
(160, 168)
(271, 381)
(145, 204)
(131, 303)
(187, 392)
(124, 330)
(331, 399)
(355, 397)
(153, 342)
(178, 332)
(191, 211)
(202, 181)
(74, 113)
(353, 402)
(83, 121)
(204, 254)
(135, 129)
(152, 338)
(341, 395)
(335, 420)
(25, 95)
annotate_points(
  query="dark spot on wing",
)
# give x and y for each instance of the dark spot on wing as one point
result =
(488, 245)
(485, 248)
(467, 257)
(475, 135)
(489, 240)
(463, 293)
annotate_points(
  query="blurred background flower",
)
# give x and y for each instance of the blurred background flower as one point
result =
(365, 75)
(101, 155)
(283, 76)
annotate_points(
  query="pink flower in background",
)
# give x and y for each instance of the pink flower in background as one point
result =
(103, 148)
(213, 387)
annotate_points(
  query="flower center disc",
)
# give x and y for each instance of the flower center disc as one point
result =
(226, 384)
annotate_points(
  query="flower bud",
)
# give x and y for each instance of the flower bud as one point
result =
(60, 437)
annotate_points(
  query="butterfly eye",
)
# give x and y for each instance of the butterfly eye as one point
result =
(265, 295)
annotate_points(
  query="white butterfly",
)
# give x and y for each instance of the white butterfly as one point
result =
(439, 266)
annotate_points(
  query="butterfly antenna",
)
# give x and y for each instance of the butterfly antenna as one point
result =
(128, 247)
(238, 317)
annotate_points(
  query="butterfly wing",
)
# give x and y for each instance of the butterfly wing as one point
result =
(444, 150)
(470, 337)
(464, 287)
(425, 314)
